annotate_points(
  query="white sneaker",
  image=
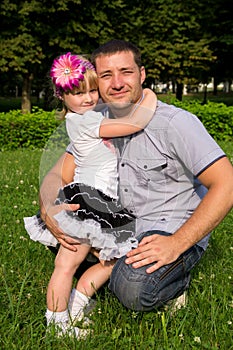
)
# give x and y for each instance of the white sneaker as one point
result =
(181, 301)
(176, 304)
(62, 329)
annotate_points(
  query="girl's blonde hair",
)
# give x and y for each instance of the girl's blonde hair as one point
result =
(84, 73)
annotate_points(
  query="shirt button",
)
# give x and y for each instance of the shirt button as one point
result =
(126, 189)
(145, 166)
(123, 164)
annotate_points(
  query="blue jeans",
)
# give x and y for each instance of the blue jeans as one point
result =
(140, 291)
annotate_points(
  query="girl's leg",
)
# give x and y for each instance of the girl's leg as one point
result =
(94, 278)
(60, 284)
(88, 284)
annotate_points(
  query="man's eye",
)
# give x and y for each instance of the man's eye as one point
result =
(105, 76)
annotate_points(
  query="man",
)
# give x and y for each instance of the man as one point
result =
(173, 177)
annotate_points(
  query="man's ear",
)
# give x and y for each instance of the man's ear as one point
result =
(143, 74)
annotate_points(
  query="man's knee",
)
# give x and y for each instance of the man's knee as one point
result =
(134, 288)
(140, 291)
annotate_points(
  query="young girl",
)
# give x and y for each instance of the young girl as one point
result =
(100, 222)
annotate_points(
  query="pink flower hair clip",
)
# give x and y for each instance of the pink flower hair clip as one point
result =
(67, 71)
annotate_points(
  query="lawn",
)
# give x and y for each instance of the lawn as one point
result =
(26, 266)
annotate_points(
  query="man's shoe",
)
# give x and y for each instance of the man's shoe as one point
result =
(176, 304)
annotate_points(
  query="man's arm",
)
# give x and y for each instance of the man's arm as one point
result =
(61, 174)
(218, 201)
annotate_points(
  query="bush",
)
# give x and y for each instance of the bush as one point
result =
(31, 130)
(216, 117)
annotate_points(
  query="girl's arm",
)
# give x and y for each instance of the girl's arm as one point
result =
(132, 123)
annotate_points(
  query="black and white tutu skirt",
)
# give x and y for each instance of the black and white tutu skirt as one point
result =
(101, 222)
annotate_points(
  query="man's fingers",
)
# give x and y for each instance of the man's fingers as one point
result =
(148, 261)
(95, 252)
(70, 207)
(139, 259)
(154, 267)
(55, 209)
(146, 240)
(138, 253)
(51, 223)
(67, 245)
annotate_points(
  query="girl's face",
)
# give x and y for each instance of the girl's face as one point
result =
(80, 101)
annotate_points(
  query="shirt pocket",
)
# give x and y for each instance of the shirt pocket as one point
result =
(151, 170)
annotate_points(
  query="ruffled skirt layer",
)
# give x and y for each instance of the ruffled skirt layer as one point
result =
(100, 222)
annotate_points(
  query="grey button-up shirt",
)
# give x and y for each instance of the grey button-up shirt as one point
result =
(159, 166)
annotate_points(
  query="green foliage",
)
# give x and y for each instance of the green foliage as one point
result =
(41, 129)
(179, 41)
(172, 40)
(31, 130)
(216, 117)
(176, 38)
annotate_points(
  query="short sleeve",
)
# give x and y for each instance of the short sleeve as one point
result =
(191, 143)
(69, 149)
(86, 125)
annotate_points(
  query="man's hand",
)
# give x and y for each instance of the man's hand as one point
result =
(155, 248)
(51, 223)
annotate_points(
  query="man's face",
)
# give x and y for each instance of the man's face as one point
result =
(120, 79)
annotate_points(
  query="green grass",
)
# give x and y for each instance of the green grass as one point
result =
(26, 267)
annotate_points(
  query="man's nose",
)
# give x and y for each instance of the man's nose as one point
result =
(117, 82)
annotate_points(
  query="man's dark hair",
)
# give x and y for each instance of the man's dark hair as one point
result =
(114, 46)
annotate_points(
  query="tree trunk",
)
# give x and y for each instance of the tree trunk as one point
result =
(179, 91)
(26, 93)
(173, 86)
(215, 87)
(205, 95)
(47, 99)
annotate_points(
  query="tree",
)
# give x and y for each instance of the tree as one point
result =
(35, 32)
(20, 50)
(176, 38)
(172, 40)
(222, 45)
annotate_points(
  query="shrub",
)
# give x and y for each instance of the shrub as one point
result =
(34, 130)
(216, 117)
(31, 130)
